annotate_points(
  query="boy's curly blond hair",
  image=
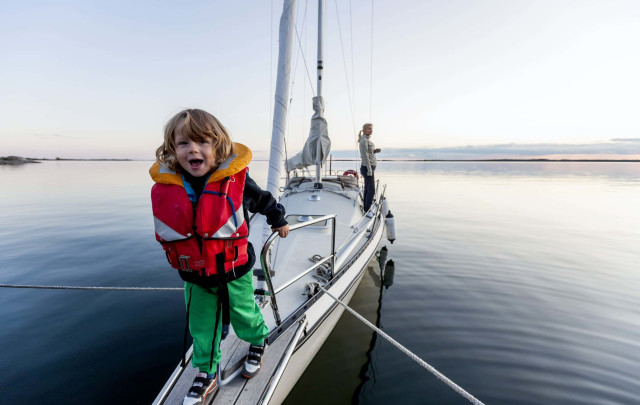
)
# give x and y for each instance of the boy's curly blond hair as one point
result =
(199, 125)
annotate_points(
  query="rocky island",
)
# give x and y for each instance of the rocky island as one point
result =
(16, 160)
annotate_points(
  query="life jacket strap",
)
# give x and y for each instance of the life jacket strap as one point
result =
(224, 298)
(188, 263)
(186, 331)
(229, 250)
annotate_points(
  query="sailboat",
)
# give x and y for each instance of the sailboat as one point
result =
(326, 253)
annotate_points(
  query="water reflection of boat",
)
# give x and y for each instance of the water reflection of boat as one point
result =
(369, 371)
(349, 352)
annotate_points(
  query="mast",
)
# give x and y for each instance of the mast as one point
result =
(319, 93)
(320, 44)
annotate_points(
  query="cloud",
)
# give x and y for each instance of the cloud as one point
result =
(625, 140)
(49, 136)
(621, 148)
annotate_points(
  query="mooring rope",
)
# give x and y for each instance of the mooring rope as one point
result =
(411, 355)
(70, 287)
(403, 349)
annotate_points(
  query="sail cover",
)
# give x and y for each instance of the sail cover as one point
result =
(318, 145)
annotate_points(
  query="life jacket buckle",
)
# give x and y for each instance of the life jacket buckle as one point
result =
(184, 263)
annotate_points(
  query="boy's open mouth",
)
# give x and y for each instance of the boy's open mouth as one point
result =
(195, 163)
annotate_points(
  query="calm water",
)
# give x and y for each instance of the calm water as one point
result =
(519, 281)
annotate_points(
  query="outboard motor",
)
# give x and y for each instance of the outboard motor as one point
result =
(391, 227)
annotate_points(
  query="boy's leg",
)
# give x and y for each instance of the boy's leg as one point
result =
(203, 314)
(246, 317)
(248, 322)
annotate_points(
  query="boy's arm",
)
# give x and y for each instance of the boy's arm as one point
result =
(261, 201)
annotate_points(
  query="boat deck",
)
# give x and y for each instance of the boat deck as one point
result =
(238, 390)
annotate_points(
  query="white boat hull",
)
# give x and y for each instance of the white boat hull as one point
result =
(323, 315)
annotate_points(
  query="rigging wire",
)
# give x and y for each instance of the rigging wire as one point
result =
(304, 60)
(304, 88)
(353, 74)
(270, 112)
(304, 132)
(294, 72)
(290, 101)
(344, 63)
(371, 68)
(353, 78)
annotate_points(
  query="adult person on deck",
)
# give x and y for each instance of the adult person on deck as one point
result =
(368, 166)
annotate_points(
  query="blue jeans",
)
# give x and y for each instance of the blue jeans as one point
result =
(369, 186)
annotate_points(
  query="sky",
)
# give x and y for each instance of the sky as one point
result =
(507, 78)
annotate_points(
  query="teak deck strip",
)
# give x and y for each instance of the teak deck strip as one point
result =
(238, 391)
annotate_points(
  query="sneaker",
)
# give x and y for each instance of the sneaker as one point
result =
(370, 214)
(254, 361)
(202, 391)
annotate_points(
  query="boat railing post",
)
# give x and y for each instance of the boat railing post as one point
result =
(267, 276)
(265, 263)
(333, 246)
(380, 215)
(383, 195)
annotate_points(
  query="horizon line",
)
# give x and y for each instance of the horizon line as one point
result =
(355, 160)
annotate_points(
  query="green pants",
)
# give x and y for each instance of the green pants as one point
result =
(246, 319)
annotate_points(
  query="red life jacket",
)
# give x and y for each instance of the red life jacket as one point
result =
(210, 237)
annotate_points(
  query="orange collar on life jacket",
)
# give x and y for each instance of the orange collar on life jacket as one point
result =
(240, 159)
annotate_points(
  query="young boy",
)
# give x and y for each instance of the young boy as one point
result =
(200, 202)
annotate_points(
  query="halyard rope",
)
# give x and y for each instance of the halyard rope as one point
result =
(69, 287)
(412, 356)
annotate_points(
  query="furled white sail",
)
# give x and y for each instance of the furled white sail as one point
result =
(318, 145)
(276, 157)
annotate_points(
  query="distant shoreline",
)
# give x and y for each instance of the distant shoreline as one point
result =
(502, 160)
(17, 160)
(91, 160)
(496, 160)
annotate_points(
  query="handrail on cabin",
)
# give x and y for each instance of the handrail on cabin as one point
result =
(265, 263)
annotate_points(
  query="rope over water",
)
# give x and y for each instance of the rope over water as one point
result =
(403, 349)
(412, 356)
(70, 287)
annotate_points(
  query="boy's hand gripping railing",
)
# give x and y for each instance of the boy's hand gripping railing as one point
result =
(265, 264)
